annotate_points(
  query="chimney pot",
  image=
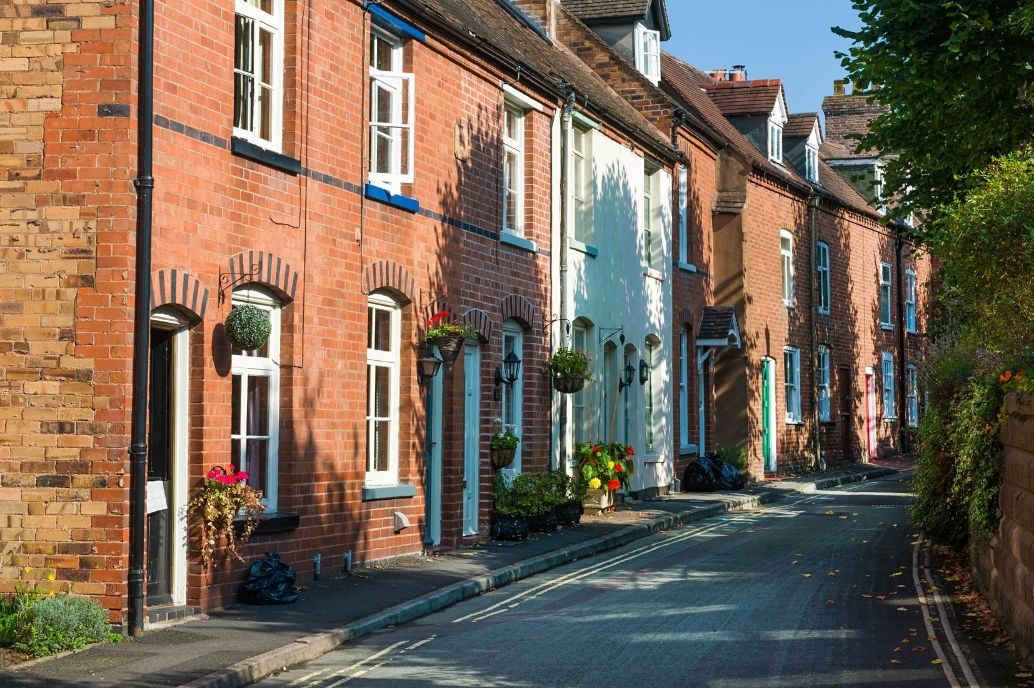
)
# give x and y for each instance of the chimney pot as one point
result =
(839, 87)
(718, 74)
(738, 73)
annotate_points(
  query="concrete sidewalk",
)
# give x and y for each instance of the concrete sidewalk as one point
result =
(240, 645)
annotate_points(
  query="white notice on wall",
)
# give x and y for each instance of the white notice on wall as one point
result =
(156, 496)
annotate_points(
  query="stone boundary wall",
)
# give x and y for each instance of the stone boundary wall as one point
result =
(1004, 565)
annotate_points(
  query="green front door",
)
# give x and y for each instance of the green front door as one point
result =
(767, 415)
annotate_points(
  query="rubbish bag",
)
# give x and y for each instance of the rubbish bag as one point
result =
(697, 477)
(729, 477)
(269, 581)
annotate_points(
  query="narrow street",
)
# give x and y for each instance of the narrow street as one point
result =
(827, 589)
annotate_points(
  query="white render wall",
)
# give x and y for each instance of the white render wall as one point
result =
(615, 289)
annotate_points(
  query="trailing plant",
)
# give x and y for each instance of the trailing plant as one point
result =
(607, 466)
(214, 509)
(505, 440)
(568, 363)
(734, 456)
(54, 624)
(248, 327)
(440, 326)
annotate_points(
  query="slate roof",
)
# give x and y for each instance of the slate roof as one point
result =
(613, 11)
(693, 88)
(742, 98)
(800, 125)
(718, 327)
(494, 25)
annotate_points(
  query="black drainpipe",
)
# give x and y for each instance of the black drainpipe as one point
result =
(899, 246)
(144, 183)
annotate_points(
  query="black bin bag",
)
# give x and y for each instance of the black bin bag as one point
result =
(269, 581)
(697, 477)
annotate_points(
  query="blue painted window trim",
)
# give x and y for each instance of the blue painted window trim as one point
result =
(388, 492)
(518, 242)
(581, 247)
(381, 194)
(278, 161)
(399, 25)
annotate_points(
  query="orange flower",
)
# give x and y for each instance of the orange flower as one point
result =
(1019, 373)
(1005, 377)
(613, 484)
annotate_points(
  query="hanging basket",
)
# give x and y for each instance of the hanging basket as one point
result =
(568, 385)
(248, 327)
(450, 347)
(501, 458)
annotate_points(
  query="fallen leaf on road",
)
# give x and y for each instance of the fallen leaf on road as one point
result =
(866, 595)
(830, 602)
(902, 609)
(896, 573)
(905, 640)
(843, 518)
(806, 575)
(832, 573)
(918, 648)
(895, 661)
(829, 513)
(935, 661)
(793, 562)
(897, 649)
(1023, 675)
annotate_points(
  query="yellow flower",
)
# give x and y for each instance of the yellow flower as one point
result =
(51, 576)
(610, 464)
(27, 569)
(51, 594)
(594, 484)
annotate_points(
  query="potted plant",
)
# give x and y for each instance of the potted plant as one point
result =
(508, 520)
(602, 468)
(448, 335)
(541, 501)
(568, 369)
(223, 496)
(569, 507)
(247, 327)
(503, 448)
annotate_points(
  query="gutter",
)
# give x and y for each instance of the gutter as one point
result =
(899, 247)
(144, 184)
(565, 138)
(813, 209)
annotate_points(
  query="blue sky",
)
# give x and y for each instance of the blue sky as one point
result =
(791, 41)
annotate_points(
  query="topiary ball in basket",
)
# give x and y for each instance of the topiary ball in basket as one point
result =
(248, 327)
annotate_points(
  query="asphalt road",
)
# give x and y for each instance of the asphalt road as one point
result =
(828, 589)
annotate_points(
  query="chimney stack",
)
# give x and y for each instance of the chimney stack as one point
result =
(718, 74)
(738, 73)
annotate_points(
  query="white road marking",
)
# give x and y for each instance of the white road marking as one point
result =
(948, 634)
(361, 662)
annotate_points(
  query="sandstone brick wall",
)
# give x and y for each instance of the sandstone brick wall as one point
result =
(65, 166)
(1004, 565)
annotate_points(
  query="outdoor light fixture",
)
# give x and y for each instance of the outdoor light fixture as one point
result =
(508, 373)
(644, 371)
(627, 380)
(428, 366)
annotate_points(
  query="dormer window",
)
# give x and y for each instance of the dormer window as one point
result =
(775, 141)
(811, 164)
(648, 52)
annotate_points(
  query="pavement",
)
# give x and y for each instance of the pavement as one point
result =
(239, 645)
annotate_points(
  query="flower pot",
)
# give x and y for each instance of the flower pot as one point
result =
(501, 458)
(598, 500)
(568, 385)
(570, 513)
(543, 523)
(450, 347)
(509, 527)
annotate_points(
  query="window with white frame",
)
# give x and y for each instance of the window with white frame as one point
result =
(258, 65)
(648, 52)
(683, 215)
(650, 236)
(581, 413)
(822, 275)
(382, 389)
(910, 301)
(684, 388)
(912, 394)
(886, 312)
(887, 375)
(822, 382)
(512, 395)
(392, 101)
(792, 383)
(255, 407)
(581, 183)
(811, 164)
(513, 170)
(786, 254)
(650, 358)
(775, 141)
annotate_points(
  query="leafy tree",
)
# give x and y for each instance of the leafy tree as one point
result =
(956, 78)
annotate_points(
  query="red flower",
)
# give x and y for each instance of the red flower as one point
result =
(215, 473)
(226, 479)
(613, 484)
(629, 451)
(242, 476)
(618, 467)
(1005, 377)
(440, 315)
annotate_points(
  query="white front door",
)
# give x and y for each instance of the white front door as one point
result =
(434, 496)
(471, 436)
(871, 445)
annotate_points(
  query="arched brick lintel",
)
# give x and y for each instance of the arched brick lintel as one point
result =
(686, 318)
(387, 274)
(179, 288)
(266, 268)
(516, 307)
(481, 321)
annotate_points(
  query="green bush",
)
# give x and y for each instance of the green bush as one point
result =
(54, 624)
(734, 456)
(531, 494)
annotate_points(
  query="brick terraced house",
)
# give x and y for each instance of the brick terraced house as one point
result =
(353, 170)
